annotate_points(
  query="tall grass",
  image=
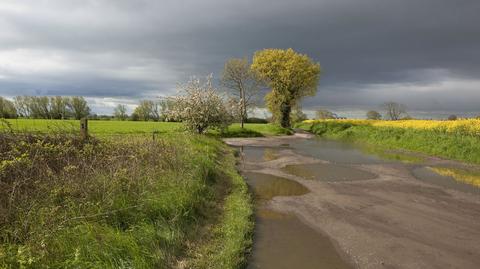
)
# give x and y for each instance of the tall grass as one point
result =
(230, 240)
(111, 203)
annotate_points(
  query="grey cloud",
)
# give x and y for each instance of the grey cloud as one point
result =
(360, 45)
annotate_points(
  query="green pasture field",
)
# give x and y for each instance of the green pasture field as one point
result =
(114, 127)
(95, 127)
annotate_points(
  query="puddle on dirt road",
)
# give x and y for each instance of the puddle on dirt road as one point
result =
(283, 241)
(392, 155)
(350, 153)
(453, 178)
(267, 186)
(334, 151)
(259, 154)
(327, 172)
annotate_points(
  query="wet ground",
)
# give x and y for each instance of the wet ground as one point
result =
(329, 204)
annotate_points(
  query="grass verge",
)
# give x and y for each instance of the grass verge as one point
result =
(228, 242)
(120, 203)
(436, 142)
(253, 130)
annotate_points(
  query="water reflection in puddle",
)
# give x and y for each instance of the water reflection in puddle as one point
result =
(350, 153)
(454, 178)
(283, 241)
(392, 155)
(334, 151)
(327, 172)
(267, 186)
(259, 154)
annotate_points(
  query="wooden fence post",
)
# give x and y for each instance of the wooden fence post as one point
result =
(84, 128)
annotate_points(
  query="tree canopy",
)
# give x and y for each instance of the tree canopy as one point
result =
(120, 112)
(7, 109)
(373, 115)
(324, 114)
(290, 76)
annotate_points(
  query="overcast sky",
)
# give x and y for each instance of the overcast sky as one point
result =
(424, 53)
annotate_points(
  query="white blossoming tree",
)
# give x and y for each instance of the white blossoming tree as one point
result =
(200, 106)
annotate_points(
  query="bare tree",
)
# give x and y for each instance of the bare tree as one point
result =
(7, 109)
(22, 106)
(324, 114)
(244, 84)
(59, 107)
(79, 107)
(147, 110)
(298, 115)
(394, 110)
(163, 107)
(120, 112)
(39, 107)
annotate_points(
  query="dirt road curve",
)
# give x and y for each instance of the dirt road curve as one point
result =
(389, 221)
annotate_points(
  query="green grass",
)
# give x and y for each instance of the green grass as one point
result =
(253, 130)
(121, 203)
(463, 147)
(96, 127)
(231, 239)
(105, 128)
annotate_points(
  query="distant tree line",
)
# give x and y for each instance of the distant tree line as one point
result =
(76, 107)
(393, 111)
(44, 107)
(7, 109)
(147, 110)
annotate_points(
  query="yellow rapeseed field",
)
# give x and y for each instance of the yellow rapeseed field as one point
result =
(462, 126)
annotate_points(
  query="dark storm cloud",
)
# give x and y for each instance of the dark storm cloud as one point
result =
(370, 50)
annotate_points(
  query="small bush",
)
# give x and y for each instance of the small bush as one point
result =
(452, 117)
(373, 115)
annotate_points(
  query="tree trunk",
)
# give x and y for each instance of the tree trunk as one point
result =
(285, 110)
(244, 112)
(242, 117)
(242, 106)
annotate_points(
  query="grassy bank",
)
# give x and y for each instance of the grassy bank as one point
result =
(228, 242)
(458, 140)
(253, 130)
(121, 203)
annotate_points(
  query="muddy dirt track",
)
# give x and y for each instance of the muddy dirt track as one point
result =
(362, 213)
